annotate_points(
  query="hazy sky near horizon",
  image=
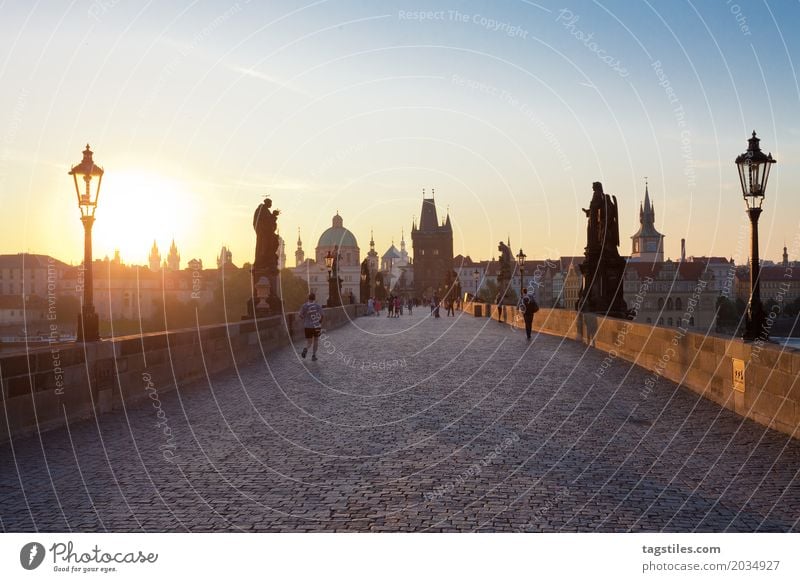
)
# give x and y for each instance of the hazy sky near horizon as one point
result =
(510, 110)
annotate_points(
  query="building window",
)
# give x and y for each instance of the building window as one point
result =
(435, 251)
(649, 320)
(669, 305)
(691, 321)
(669, 321)
(678, 304)
(660, 304)
(660, 321)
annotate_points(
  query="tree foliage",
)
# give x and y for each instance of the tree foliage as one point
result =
(294, 290)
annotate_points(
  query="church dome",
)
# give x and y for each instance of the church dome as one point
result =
(392, 253)
(337, 235)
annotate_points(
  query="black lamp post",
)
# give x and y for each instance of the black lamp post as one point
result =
(82, 174)
(475, 276)
(329, 265)
(754, 167)
(372, 278)
(521, 262)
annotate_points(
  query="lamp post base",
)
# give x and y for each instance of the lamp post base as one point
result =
(334, 292)
(755, 328)
(755, 322)
(88, 327)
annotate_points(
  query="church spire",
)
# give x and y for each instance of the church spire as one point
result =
(173, 260)
(155, 258)
(299, 254)
(647, 243)
(648, 214)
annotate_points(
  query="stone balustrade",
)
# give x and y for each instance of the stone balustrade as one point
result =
(769, 393)
(51, 386)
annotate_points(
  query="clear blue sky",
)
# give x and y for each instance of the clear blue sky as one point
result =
(509, 109)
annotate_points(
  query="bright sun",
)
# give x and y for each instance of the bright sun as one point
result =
(136, 208)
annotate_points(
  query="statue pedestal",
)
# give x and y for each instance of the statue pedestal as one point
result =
(264, 302)
(603, 286)
(334, 292)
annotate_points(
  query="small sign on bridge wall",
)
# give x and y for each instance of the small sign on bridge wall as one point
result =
(738, 374)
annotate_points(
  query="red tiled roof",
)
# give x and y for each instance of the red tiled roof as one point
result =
(709, 260)
(567, 261)
(462, 261)
(29, 261)
(779, 273)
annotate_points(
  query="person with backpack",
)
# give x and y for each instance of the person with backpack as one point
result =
(528, 307)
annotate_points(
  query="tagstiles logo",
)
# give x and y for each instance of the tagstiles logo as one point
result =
(31, 555)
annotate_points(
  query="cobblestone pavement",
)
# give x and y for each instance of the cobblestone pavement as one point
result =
(412, 424)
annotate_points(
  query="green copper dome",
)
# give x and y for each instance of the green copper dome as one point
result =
(337, 235)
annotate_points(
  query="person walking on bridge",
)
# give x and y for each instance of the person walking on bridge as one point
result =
(311, 315)
(527, 306)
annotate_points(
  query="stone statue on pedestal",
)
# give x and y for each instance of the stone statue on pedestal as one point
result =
(505, 272)
(603, 267)
(264, 271)
(265, 223)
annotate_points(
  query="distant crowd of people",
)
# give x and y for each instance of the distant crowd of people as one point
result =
(396, 306)
(449, 305)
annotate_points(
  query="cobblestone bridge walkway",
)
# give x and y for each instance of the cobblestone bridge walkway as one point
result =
(412, 424)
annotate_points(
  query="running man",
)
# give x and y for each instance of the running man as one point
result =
(311, 315)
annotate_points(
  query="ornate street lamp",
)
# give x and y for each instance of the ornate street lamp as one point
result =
(475, 276)
(334, 290)
(363, 287)
(329, 265)
(83, 175)
(754, 167)
(521, 262)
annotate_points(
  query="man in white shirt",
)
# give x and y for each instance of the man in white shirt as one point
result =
(311, 315)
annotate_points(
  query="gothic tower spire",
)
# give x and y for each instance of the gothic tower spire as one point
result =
(299, 254)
